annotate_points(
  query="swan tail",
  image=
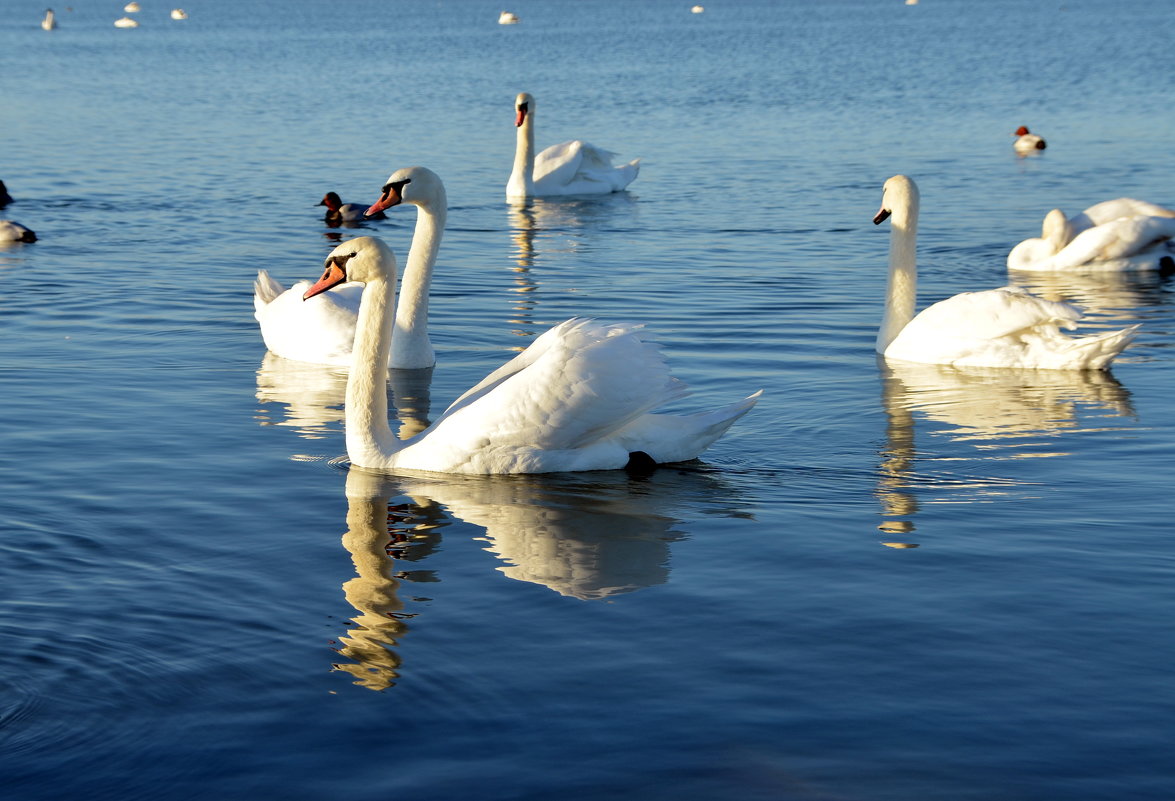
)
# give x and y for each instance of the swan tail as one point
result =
(669, 438)
(1095, 352)
(265, 290)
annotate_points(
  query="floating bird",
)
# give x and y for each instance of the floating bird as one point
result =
(1027, 142)
(339, 212)
(50, 21)
(1005, 327)
(12, 231)
(131, 7)
(507, 18)
(1116, 235)
(179, 13)
(571, 168)
(581, 397)
(322, 330)
(125, 22)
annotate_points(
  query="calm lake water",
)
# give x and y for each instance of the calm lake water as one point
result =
(883, 583)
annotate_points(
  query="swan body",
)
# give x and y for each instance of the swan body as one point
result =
(1027, 142)
(1005, 327)
(126, 22)
(1115, 235)
(50, 21)
(11, 231)
(507, 18)
(179, 13)
(581, 397)
(339, 212)
(131, 7)
(321, 330)
(570, 168)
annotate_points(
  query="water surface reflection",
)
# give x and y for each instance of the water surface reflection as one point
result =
(587, 536)
(1000, 414)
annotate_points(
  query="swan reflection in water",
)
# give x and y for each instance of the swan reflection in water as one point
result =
(542, 228)
(1103, 296)
(585, 536)
(311, 397)
(1002, 413)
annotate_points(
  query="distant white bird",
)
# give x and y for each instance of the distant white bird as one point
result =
(507, 18)
(179, 13)
(697, 9)
(126, 22)
(582, 396)
(1116, 235)
(339, 212)
(131, 7)
(571, 168)
(1005, 327)
(1027, 142)
(11, 231)
(50, 21)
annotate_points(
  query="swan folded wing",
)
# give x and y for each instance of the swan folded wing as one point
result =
(1122, 238)
(588, 383)
(988, 315)
(1109, 210)
(265, 291)
(559, 164)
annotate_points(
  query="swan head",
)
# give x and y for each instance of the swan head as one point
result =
(899, 196)
(1055, 229)
(419, 186)
(523, 108)
(332, 201)
(363, 259)
(1021, 131)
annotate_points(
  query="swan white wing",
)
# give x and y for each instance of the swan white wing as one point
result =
(320, 330)
(990, 314)
(1117, 239)
(1109, 210)
(580, 168)
(560, 412)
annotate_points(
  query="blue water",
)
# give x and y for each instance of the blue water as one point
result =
(883, 583)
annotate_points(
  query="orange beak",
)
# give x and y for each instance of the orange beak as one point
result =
(331, 277)
(518, 120)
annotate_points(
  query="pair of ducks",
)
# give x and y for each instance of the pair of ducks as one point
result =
(584, 395)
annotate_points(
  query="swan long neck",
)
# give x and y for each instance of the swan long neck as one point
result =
(521, 183)
(369, 437)
(902, 288)
(411, 348)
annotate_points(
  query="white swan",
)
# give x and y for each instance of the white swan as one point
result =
(994, 328)
(131, 7)
(1027, 142)
(339, 212)
(50, 21)
(322, 330)
(179, 13)
(571, 168)
(126, 22)
(11, 231)
(580, 397)
(507, 18)
(1112, 236)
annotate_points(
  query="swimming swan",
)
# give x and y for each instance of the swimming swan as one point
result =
(322, 331)
(994, 328)
(1112, 236)
(572, 168)
(580, 397)
(1027, 142)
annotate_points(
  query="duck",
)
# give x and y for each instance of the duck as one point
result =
(339, 212)
(1006, 327)
(5, 198)
(179, 13)
(50, 20)
(570, 168)
(582, 396)
(1118, 235)
(12, 231)
(322, 331)
(1027, 142)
